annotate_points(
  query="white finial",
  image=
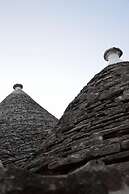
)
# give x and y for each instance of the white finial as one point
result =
(113, 55)
(18, 87)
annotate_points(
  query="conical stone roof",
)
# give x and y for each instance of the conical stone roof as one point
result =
(24, 125)
(95, 125)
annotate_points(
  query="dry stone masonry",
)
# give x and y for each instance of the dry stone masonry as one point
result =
(86, 151)
(24, 125)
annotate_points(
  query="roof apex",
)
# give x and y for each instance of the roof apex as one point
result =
(17, 86)
(111, 51)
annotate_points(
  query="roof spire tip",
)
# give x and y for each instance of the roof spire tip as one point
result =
(18, 86)
(113, 55)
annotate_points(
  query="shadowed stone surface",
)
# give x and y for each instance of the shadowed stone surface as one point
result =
(92, 178)
(89, 153)
(94, 125)
(24, 125)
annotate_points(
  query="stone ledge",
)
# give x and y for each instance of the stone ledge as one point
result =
(92, 178)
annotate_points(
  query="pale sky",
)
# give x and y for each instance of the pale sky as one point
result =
(54, 47)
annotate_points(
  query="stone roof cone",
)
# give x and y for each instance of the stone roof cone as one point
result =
(24, 125)
(95, 124)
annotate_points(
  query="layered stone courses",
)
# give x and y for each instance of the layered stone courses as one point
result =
(101, 109)
(24, 125)
(87, 151)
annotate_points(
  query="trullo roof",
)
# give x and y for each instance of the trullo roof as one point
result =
(24, 125)
(95, 125)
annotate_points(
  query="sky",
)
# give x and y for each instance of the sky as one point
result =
(54, 47)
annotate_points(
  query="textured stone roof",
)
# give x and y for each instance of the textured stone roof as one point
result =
(24, 124)
(95, 125)
(89, 153)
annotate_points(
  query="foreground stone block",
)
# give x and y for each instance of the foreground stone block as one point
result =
(91, 178)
